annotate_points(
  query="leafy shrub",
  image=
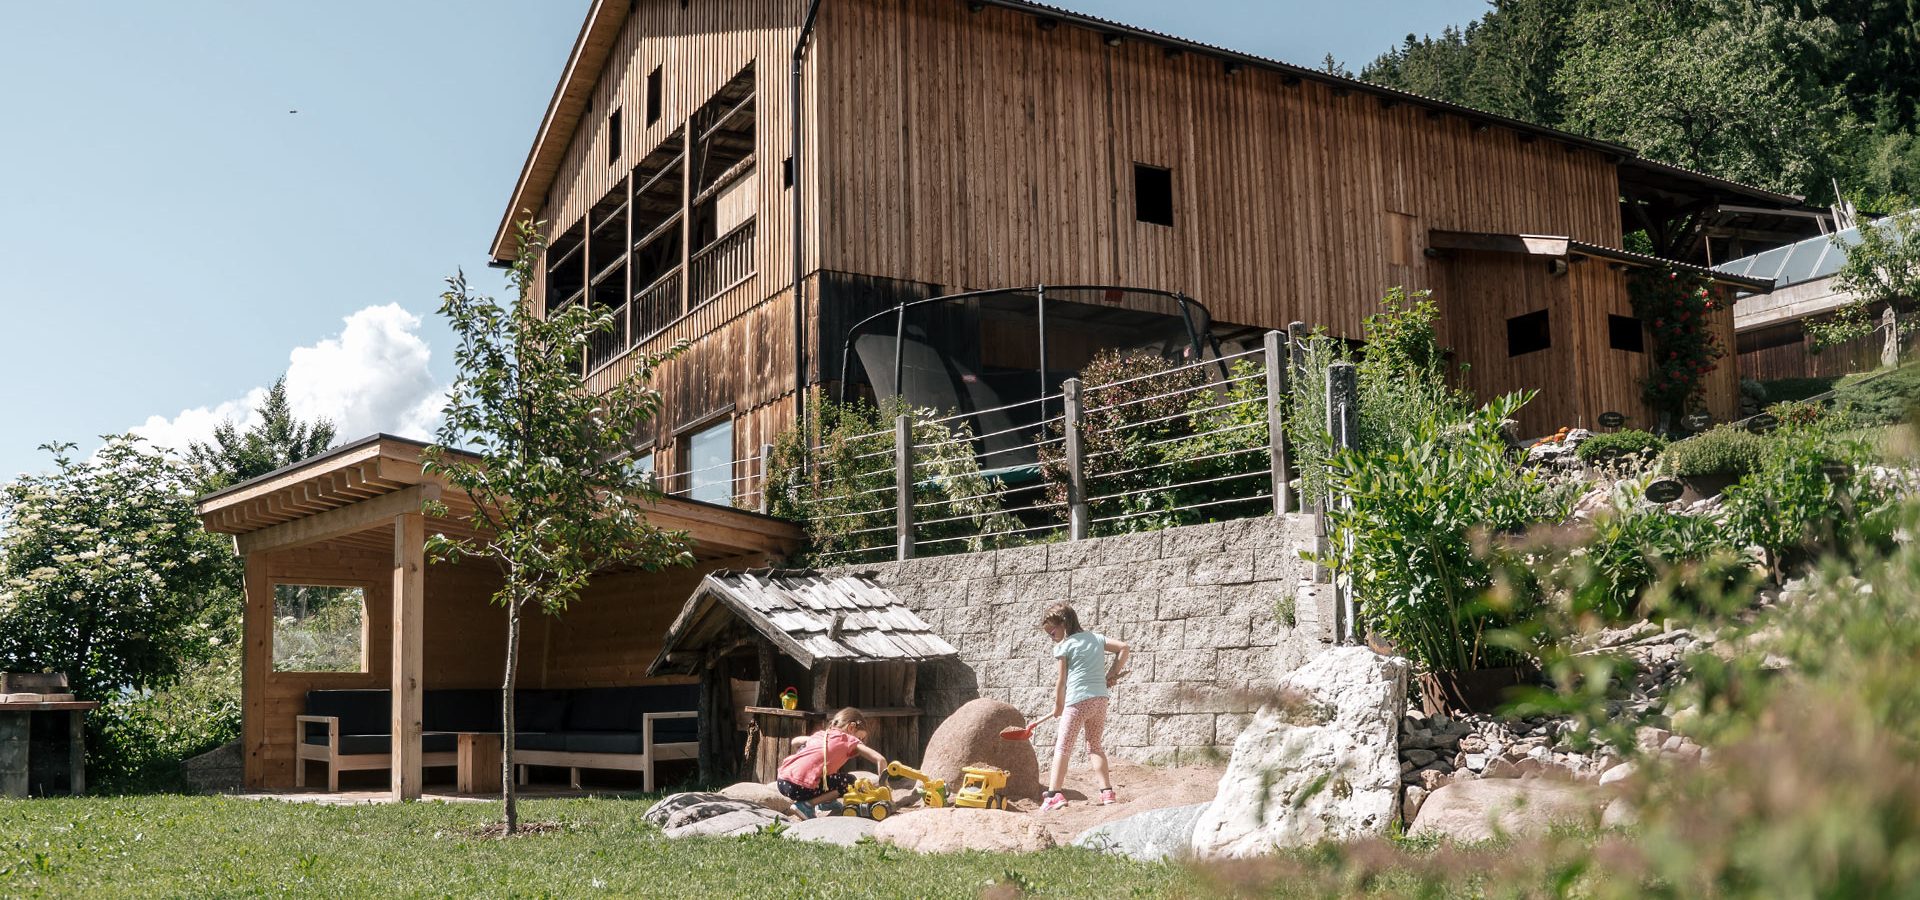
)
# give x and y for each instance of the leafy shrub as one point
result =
(1786, 390)
(1613, 445)
(1808, 493)
(1137, 409)
(844, 490)
(1418, 512)
(1881, 398)
(1631, 548)
(137, 740)
(1724, 450)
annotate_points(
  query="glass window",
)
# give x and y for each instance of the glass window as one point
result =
(319, 628)
(710, 461)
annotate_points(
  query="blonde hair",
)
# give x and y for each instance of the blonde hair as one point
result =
(848, 719)
(1062, 614)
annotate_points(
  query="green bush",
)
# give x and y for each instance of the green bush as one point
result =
(136, 741)
(1613, 445)
(842, 490)
(1631, 548)
(1724, 450)
(1787, 390)
(1419, 514)
(1880, 398)
(1809, 493)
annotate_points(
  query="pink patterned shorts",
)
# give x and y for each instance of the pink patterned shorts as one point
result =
(1089, 714)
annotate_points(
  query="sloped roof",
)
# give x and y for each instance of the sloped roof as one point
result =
(809, 616)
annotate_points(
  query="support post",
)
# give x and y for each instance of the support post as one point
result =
(16, 737)
(1078, 515)
(766, 473)
(903, 486)
(409, 616)
(1277, 365)
(1343, 426)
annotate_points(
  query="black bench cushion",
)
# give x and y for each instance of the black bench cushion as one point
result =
(539, 710)
(540, 740)
(621, 708)
(359, 711)
(476, 709)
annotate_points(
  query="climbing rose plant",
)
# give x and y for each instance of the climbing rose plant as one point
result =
(1676, 308)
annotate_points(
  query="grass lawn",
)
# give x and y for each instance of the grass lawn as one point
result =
(215, 846)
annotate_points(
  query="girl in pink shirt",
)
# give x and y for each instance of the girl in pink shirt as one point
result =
(799, 774)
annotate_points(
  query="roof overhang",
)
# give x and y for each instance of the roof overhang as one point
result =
(1553, 246)
(810, 617)
(352, 493)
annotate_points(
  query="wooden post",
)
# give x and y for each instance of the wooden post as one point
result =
(766, 478)
(1079, 517)
(256, 666)
(409, 616)
(77, 751)
(1277, 364)
(1343, 426)
(903, 486)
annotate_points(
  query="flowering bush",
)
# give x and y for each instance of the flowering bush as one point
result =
(1676, 309)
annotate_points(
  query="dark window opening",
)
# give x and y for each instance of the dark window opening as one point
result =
(1624, 333)
(1528, 333)
(786, 172)
(1152, 194)
(613, 137)
(654, 95)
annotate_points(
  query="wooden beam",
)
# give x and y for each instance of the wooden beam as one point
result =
(1529, 244)
(337, 522)
(409, 616)
(256, 665)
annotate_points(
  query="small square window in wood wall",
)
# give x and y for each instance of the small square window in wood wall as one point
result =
(1152, 194)
(1529, 333)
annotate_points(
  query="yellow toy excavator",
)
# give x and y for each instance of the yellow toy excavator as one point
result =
(875, 801)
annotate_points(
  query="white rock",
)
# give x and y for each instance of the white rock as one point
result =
(1470, 811)
(1151, 836)
(1619, 814)
(1324, 767)
(844, 831)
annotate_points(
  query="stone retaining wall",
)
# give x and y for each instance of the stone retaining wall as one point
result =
(1213, 613)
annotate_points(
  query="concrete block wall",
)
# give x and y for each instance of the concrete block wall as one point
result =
(1214, 613)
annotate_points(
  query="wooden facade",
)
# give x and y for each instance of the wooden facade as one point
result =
(952, 146)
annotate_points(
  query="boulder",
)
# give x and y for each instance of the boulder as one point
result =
(952, 830)
(1321, 764)
(1150, 836)
(709, 815)
(764, 794)
(217, 770)
(844, 831)
(1470, 811)
(972, 736)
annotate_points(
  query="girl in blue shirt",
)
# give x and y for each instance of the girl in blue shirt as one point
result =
(1080, 697)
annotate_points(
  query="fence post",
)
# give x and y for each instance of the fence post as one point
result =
(766, 478)
(1277, 365)
(903, 486)
(1077, 514)
(1343, 426)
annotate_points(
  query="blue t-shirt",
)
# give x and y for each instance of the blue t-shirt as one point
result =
(1086, 656)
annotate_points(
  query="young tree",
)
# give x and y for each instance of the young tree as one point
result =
(557, 493)
(1881, 272)
(105, 572)
(278, 440)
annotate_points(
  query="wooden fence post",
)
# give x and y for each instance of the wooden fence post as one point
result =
(1277, 365)
(1077, 512)
(766, 478)
(1343, 426)
(903, 486)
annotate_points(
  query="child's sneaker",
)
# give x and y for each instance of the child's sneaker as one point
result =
(803, 808)
(1107, 797)
(1053, 801)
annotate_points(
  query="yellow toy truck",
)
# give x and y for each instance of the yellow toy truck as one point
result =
(875, 801)
(980, 788)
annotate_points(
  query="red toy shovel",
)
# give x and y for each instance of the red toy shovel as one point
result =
(1018, 733)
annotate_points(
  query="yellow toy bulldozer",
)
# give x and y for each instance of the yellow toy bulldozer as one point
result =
(980, 788)
(875, 801)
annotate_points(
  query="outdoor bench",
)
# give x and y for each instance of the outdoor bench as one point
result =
(621, 728)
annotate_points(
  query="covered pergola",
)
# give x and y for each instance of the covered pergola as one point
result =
(353, 518)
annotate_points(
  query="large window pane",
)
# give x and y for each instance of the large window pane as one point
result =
(318, 628)
(711, 455)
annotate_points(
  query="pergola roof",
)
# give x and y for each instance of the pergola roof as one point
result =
(351, 494)
(1563, 247)
(809, 616)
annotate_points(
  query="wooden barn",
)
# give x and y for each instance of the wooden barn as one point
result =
(699, 161)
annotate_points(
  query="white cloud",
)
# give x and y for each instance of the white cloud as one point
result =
(372, 377)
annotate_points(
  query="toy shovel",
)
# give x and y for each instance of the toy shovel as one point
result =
(1022, 733)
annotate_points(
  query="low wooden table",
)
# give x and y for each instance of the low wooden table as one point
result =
(477, 762)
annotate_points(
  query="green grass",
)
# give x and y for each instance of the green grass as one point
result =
(218, 846)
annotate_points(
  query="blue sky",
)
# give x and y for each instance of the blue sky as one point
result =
(175, 235)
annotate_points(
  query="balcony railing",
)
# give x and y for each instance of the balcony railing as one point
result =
(722, 264)
(655, 306)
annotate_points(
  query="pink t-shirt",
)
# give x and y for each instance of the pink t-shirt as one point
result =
(802, 766)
